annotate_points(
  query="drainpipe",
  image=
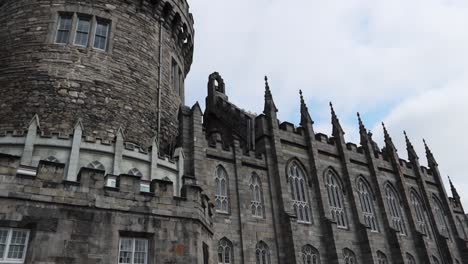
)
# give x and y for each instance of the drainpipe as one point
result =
(161, 22)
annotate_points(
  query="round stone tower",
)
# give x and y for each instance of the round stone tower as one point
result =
(113, 64)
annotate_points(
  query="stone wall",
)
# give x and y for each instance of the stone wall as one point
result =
(107, 90)
(82, 222)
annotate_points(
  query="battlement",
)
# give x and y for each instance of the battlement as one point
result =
(77, 152)
(90, 190)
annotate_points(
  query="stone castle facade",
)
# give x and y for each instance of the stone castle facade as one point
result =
(102, 162)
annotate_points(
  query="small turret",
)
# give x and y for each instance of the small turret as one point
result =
(455, 195)
(305, 116)
(269, 103)
(430, 158)
(362, 130)
(337, 129)
(389, 146)
(409, 147)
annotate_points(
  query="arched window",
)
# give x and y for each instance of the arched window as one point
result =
(393, 203)
(96, 165)
(221, 197)
(420, 213)
(310, 255)
(262, 253)
(410, 259)
(348, 256)
(367, 204)
(381, 258)
(435, 260)
(225, 251)
(135, 172)
(299, 192)
(256, 192)
(462, 228)
(335, 199)
(52, 159)
(440, 217)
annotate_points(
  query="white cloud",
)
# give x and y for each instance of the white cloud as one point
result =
(401, 61)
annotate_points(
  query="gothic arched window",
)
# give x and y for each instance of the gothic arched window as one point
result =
(440, 217)
(435, 260)
(96, 165)
(225, 251)
(335, 199)
(367, 204)
(297, 183)
(262, 253)
(348, 256)
(462, 228)
(52, 159)
(393, 203)
(310, 255)
(410, 259)
(420, 213)
(135, 172)
(221, 196)
(381, 258)
(256, 191)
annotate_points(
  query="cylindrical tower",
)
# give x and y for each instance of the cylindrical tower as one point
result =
(109, 63)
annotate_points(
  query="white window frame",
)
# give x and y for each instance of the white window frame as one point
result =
(90, 21)
(106, 42)
(132, 259)
(4, 258)
(145, 186)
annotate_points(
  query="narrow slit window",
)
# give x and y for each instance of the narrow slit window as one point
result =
(83, 26)
(102, 34)
(64, 28)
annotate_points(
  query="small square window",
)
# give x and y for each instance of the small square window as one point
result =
(83, 26)
(133, 250)
(64, 28)
(13, 245)
(144, 187)
(111, 182)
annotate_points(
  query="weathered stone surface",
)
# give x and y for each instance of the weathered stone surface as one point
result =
(105, 89)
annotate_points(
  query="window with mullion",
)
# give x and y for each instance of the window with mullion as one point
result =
(296, 178)
(64, 28)
(13, 245)
(83, 27)
(101, 35)
(133, 251)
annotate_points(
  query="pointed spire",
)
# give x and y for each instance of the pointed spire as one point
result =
(305, 116)
(362, 130)
(269, 103)
(454, 191)
(409, 147)
(388, 140)
(430, 158)
(337, 129)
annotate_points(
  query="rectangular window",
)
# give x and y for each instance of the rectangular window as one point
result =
(175, 76)
(64, 28)
(102, 33)
(13, 245)
(133, 250)
(145, 187)
(83, 26)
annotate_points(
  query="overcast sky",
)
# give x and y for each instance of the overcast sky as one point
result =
(404, 62)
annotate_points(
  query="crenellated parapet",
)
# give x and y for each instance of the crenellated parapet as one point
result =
(90, 190)
(116, 158)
